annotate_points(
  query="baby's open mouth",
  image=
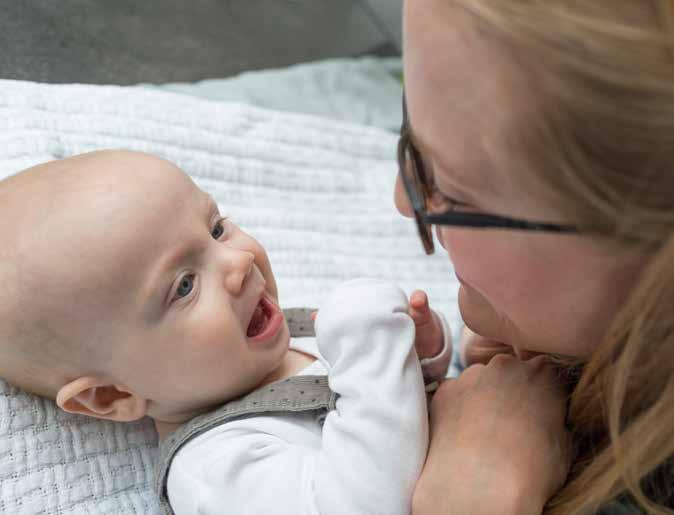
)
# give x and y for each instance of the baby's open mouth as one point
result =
(261, 317)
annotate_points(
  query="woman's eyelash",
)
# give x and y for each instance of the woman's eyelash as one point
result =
(456, 203)
(445, 202)
(441, 198)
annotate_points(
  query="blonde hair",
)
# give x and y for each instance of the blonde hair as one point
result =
(603, 140)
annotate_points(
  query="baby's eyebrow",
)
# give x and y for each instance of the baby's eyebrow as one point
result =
(212, 206)
(156, 288)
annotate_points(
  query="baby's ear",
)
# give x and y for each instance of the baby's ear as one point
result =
(93, 397)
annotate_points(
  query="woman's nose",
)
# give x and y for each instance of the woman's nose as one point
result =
(236, 265)
(401, 200)
(441, 235)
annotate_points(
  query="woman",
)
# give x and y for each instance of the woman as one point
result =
(541, 134)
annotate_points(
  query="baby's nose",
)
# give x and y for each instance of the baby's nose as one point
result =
(238, 265)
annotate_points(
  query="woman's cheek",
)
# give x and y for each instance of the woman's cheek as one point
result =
(465, 249)
(480, 257)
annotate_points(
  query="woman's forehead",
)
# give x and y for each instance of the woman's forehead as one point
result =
(465, 100)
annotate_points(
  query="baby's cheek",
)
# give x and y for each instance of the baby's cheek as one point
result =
(213, 327)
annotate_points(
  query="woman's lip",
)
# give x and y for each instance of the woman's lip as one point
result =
(273, 325)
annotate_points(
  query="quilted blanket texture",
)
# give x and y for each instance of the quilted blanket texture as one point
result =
(316, 192)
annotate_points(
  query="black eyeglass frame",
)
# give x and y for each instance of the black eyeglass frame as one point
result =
(417, 195)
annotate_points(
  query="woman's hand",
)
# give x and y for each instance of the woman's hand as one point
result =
(498, 441)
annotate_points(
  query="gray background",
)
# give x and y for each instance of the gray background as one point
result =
(131, 41)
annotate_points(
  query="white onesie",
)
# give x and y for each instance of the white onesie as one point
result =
(364, 458)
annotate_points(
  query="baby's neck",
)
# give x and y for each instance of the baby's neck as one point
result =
(294, 362)
(165, 428)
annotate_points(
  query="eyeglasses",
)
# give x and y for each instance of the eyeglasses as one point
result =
(417, 187)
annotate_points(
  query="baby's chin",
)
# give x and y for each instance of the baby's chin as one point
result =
(284, 337)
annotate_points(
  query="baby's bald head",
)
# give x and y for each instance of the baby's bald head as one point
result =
(126, 293)
(63, 228)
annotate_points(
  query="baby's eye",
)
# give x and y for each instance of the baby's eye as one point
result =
(219, 228)
(185, 286)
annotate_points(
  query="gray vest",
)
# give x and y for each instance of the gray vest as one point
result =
(295, 394)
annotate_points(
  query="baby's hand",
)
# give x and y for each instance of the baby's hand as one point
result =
(474, 348)
(429, 340)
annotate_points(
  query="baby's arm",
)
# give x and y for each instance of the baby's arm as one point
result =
(474, 348)
(374, 442)
(433, 339)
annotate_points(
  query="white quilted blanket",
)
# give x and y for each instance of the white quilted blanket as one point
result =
(317, 193)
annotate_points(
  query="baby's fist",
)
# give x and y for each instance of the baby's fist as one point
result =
(429, 340)
(474, 348)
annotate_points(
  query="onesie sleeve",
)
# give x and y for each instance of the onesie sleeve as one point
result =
(375, 441)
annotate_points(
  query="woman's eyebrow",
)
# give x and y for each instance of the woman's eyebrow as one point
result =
(456, 184)
(425, 150)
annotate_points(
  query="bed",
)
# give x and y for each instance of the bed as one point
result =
(311, 179)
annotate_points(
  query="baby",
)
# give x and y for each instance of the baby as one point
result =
(126, 294)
